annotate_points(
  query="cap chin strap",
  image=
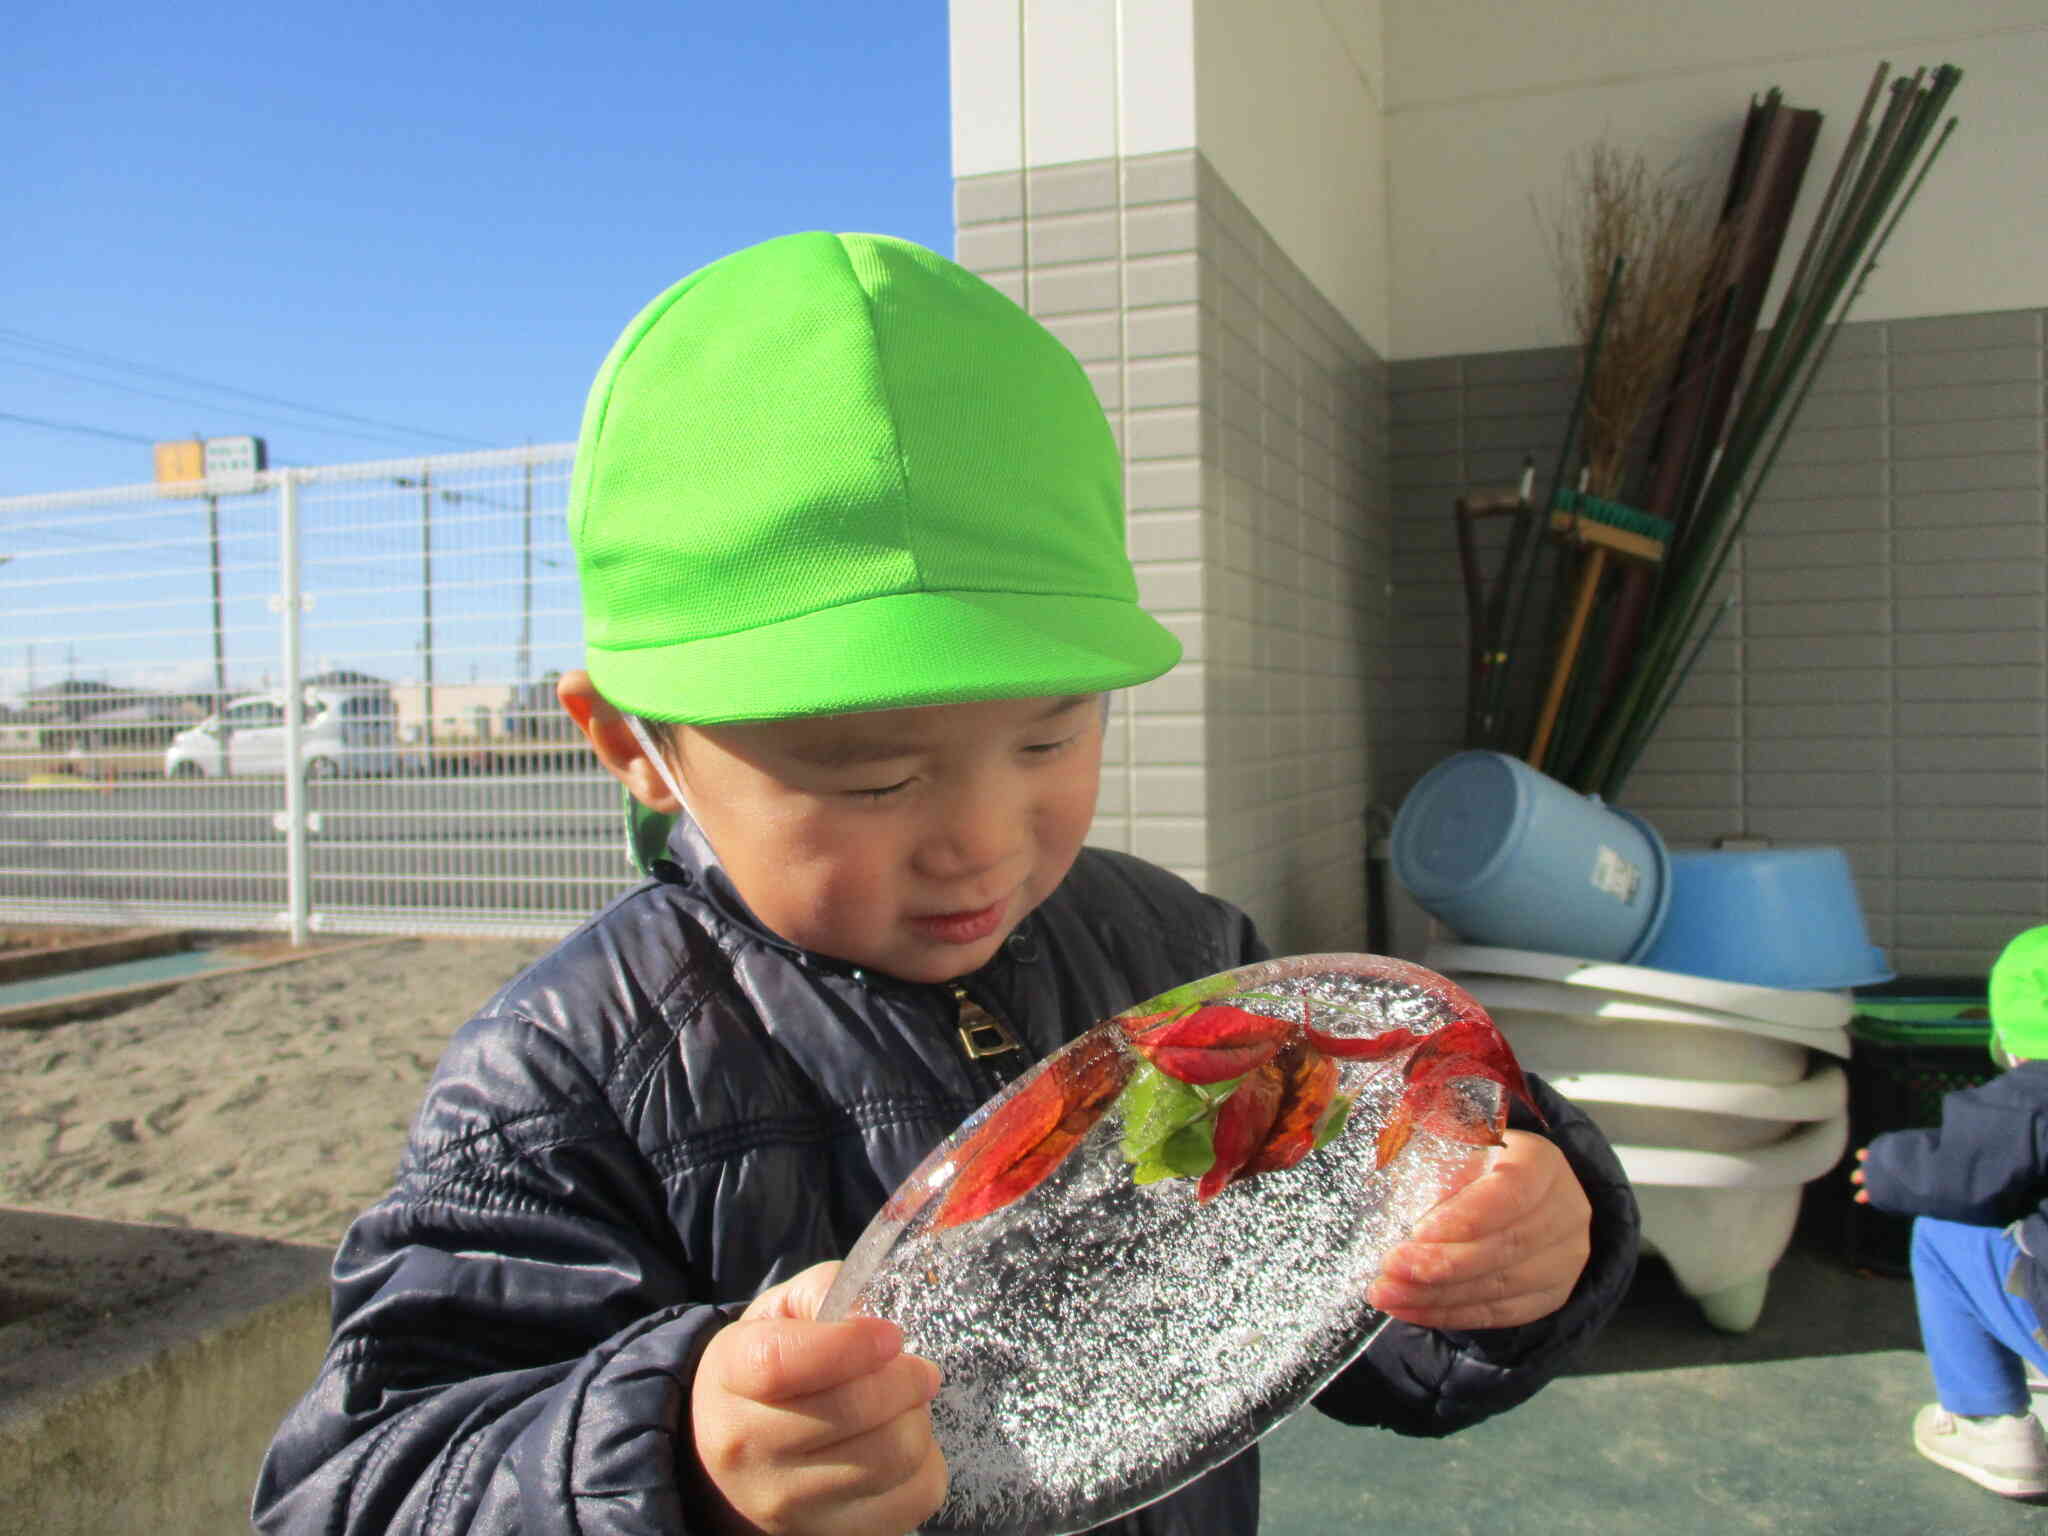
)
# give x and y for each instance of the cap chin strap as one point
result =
(659, 760)
(647, 830)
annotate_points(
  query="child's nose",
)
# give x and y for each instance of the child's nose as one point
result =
(975, 830)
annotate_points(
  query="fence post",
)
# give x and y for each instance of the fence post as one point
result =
(298, 885)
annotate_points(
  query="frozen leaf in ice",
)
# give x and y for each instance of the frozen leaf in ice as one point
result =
(1113, 1312)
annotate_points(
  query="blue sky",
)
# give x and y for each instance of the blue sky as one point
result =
(431, 217)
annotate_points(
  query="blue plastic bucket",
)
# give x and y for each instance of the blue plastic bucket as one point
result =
(1510, 857)
(1769, 917)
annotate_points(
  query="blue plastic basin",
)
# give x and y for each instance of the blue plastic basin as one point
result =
(1508, 856)
(1770, 917)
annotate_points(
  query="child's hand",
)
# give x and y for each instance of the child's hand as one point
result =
(1505, 1249)
(809, 1427)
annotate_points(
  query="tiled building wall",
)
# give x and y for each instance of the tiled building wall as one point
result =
(1253, 424)
(1882, 683)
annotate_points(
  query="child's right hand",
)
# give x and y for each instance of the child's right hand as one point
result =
(808, 1427)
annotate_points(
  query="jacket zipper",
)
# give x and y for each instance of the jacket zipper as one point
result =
(993, 1051)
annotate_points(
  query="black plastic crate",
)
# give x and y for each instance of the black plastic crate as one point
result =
(1911, 1042)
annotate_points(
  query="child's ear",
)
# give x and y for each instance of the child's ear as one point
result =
(614, 742)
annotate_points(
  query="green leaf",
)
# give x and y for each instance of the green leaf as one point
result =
(1155, 1106)
(1187, 1154)
(1331, 1126)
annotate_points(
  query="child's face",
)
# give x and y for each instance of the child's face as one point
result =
(909, 841)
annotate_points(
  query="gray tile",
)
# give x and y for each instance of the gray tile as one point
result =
(1967, 508)
(1764, 584)
(1835, 686)
(1163, 178)
(1958, 719)
(1547, 365)
(1996, 648)
(1009, 284)
(1072, 290)
(1825, 824)
(1083, 186)
(1809, 754)
(1785, 790)
(1816, 618)
(2007, 542)
(1155, 280)
(1948, 333)
(1980, 861)
(2021, 685)
(1163, 332)
(1844, 373)
(1163, 381)
(1987, 365)
(1821, 412)
(990, 247)
(1108, 382)
(1972, 754)
(1942, 823)
(1985, 578)
(1808, 444)
(1844, 514)
(1161, 230)
(1763, 552)
(988, 199)
(1092, 338)
(1425, 373)
(1067, 238)
(1933, 615)
(1966, 402)
(1800, 482)
(1164, 434)
(1967, 439)
(2001, 471)
(1421, 405)
(1412, 471)
(1866, 721)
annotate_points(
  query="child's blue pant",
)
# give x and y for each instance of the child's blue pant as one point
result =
(1973, 1328)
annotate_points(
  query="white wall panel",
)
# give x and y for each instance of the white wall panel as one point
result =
(1485, 117)
(987, 86)
(1070, 81)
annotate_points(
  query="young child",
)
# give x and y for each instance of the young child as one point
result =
(1977, 1188)
(850, 534)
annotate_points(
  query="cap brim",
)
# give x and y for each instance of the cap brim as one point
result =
(893, 652)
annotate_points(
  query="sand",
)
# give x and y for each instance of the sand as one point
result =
(273, 1103)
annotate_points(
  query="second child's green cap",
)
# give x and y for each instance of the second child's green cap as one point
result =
(2018, 995)
(831, 473)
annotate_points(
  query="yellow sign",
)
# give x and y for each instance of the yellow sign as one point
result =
(180, 461)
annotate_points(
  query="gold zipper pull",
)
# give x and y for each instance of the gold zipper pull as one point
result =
(981, 1032)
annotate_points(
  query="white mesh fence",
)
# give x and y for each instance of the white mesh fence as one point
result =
(394, 629)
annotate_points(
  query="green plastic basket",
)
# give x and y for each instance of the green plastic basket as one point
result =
(1907, 1051)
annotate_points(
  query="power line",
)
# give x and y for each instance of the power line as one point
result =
(108, 360)
(157, 394)
(73, 426)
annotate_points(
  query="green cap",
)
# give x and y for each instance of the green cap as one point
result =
(2019, 997)
(831, 473)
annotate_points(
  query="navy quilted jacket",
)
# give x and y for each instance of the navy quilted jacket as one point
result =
(1986, 1164)
(674, 1110)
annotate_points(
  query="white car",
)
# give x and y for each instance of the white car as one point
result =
(340, 734)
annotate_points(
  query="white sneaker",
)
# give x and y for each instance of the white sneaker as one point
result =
(2006, 1453)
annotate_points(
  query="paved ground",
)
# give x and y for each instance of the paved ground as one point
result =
(1801, 1425)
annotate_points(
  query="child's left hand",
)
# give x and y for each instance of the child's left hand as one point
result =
(1506, 1249)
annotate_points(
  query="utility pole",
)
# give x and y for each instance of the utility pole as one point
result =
(220, 659)
(526, 573)
(424, 482)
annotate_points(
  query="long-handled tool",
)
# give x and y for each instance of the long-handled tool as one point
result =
(1600, 528)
